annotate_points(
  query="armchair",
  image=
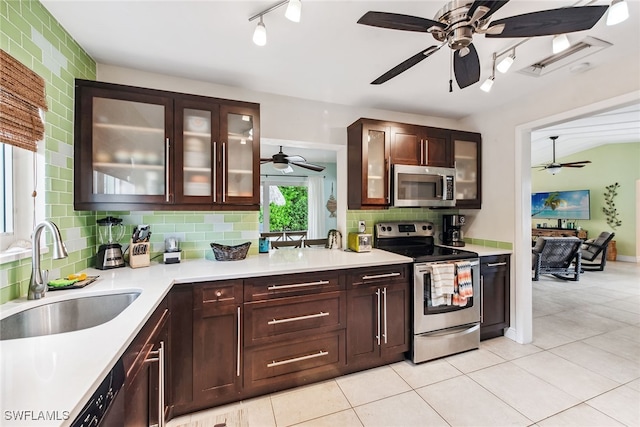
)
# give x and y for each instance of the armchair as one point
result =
(596, 252)
(558, 256)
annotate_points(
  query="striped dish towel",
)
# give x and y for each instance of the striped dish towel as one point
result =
(463, 282)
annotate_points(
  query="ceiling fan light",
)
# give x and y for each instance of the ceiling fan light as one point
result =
(486, 86)
(560, 43)
(618, 12)
(260, 34)
(554, 170)
(506, 62)
(280, 166)
(294, 10)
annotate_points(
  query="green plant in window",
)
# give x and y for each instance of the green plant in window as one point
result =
(610, 207)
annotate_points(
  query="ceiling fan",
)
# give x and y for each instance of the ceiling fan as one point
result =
(457, 22)
(283, 162)
(555, 167)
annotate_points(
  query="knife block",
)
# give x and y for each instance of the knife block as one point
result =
(139, 254)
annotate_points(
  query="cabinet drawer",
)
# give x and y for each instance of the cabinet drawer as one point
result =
(262, 288)
(296, 362)
(283, 318)
(377, 275)
(495, 262)
(226, 292)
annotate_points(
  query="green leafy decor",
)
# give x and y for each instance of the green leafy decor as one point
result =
(610, 209)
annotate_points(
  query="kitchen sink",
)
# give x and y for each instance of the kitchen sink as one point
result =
(65, 316)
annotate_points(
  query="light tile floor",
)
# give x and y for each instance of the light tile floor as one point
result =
(582, 369)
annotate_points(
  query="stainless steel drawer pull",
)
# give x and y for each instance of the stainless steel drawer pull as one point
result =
(496, 264)
(295, 319)
(298, 285)
(297, 359)
(380, 276)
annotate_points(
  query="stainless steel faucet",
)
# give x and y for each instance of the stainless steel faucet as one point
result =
(39, 278)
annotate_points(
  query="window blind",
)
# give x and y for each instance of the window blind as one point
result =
(22, 96)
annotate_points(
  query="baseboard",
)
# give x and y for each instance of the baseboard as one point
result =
(628, 258)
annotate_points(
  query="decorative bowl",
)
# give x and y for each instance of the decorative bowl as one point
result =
(230, 253)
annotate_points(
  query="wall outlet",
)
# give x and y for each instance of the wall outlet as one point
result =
(362, 226)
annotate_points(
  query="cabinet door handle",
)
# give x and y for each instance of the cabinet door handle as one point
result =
(166, 174)
(378, 317)
(297, 285)
(215, 171)
(224, 173)
(381, 276)
(295, 319)
(481, 298)
(158, 356)
(239, 349)
(297, 359)
(384, 300)
(496, 264)
(422, 160)
(426, 151)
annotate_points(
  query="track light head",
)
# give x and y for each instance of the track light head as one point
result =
(618, 12)
(486, 86)
(560, 43)
(294, 10)
(260, 34)
(506, 62)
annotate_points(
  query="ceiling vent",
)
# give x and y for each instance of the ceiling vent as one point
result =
(582, 49)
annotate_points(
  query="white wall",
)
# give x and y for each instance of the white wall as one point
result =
(506, 169)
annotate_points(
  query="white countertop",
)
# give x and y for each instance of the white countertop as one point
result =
(485, 250)
(53, 376)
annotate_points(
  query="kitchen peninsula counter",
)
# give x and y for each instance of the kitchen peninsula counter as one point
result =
(53, 376)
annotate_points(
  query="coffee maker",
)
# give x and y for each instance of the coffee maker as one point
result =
(452, 230)
(110, 231)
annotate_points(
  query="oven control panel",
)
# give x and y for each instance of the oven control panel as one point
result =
(404, 229)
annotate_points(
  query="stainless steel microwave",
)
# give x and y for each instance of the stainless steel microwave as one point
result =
(423, 186)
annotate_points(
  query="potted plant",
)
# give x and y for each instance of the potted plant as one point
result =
(611, 213)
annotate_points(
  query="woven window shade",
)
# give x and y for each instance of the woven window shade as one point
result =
(22, 95)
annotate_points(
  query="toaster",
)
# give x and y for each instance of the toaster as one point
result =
(360, 242)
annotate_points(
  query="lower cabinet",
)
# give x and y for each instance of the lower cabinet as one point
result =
(378, 327)
(236, 339)
(495, 284)
(145, 361)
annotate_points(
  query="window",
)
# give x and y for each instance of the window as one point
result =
(284, 206)
(6, 189)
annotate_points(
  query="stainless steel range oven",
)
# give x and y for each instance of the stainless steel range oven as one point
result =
(446, 290)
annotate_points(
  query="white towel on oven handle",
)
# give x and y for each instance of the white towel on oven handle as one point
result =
(442, 279)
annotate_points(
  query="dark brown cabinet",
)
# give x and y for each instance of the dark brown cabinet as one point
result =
(374, 146)
(146, 367)
(378, 303)
(467, 150)
(495, 284)
(141, 149)
(294, 330)
(217, 341)
(368, 164)
(420, 145)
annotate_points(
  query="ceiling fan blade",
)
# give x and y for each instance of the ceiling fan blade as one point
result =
(266, 160)
(493, 7)
(293, 159)
(396, 21)
(405, 65)
(575, 164)
(549, 22)
(309, 166)
(466, 68)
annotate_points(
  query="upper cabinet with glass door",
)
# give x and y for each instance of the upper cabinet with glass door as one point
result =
(467, 154)
(140, 149)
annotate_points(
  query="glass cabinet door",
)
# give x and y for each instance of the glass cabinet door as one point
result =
(375, 155)
(240, 155)
(129, 148)
(197, 127)
(467, 160)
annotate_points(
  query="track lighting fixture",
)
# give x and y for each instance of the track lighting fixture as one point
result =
(486, 86)
(618, 12)
(560, 43)
(506, 62)
(293, 12)
(260, 34)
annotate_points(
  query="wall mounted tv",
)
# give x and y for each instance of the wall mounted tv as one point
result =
(560, 205)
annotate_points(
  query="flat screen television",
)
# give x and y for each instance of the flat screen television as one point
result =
(572, 204)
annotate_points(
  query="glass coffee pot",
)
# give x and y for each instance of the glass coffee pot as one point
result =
(110, 231)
